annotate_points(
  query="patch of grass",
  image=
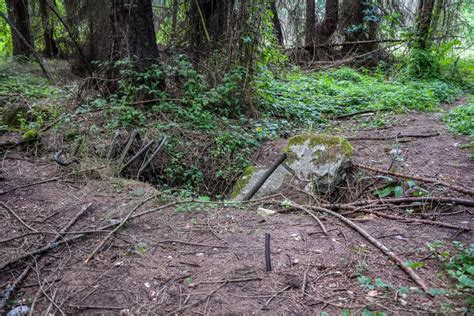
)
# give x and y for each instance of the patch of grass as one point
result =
(461, 119)
(309, 98)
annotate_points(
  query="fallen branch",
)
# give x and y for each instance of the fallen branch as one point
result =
(49, 180)
(400, 136)
(420, 199)
(132, 137)
(155, 152)
(415, 220)
(136, 156)
(343, 116)
(96, 250)
(304, 209)
(9, 290)
(409, 271)
(18, 218)
(63, 241)
(422, 179)
(268, 259)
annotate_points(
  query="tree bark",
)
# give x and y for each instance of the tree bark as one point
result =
(133, 31)
(328, 26)
(209, 20)
(19, 16)
(425, 15)
(310, 23)
(276, 23)
(356, 29)
(50, 47)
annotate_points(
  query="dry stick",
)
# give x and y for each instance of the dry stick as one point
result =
(50, 246)
(409, 271)
(157, 150)
(355, 113)
(127, 147)
(416, 220)
(190, 243)
(313, 216)
(422, 179)
(96, 250)
(421, 199)
(136, 156)
(18, 218)
(9, 290)
(35, 55)
(395, 137)
(114, 143)
(49, 180)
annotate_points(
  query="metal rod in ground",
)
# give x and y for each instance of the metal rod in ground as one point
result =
(268, 259)
(157, 150)
(137, 155)
(127, 147)
(264, 177)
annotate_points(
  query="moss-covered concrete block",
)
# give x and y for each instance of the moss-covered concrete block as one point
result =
(322, 160)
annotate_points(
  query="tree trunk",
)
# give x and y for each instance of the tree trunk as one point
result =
(209, 19)
(425, 14)
(310, 23)
(328, 26)
(355, 28)
(19, 16)
(276, 23)
(50, 47)
(133, 32)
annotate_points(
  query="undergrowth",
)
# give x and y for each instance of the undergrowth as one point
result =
(211, 136)
(311, 98)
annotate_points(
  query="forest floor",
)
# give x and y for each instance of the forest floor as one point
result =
(208, 258)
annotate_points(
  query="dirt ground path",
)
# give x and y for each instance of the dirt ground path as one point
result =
(209, 259)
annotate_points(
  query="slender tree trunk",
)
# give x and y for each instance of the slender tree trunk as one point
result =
(425, 15)
(174, 22)
(310, 23)
(50, 47)
(276, 23)
(19, 17)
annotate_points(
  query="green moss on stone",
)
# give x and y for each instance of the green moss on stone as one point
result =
(319, 139)
(242, 182)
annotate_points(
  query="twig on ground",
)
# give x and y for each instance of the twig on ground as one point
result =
(118, 227)
(413, 177)
(421, 199)
(50, 180)
(416, 220)
(409, 271)
(9, 290)
(18, 218)
(399, 136)
(190, 244)
(313, 216)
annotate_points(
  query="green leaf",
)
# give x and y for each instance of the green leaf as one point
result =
(466, 281)
(414, 264)
(366, 312)
(435, 291)
(380, 283)
(346, 312)
(204, 199)
(411, 183)
(385, 192)
(398, 191)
